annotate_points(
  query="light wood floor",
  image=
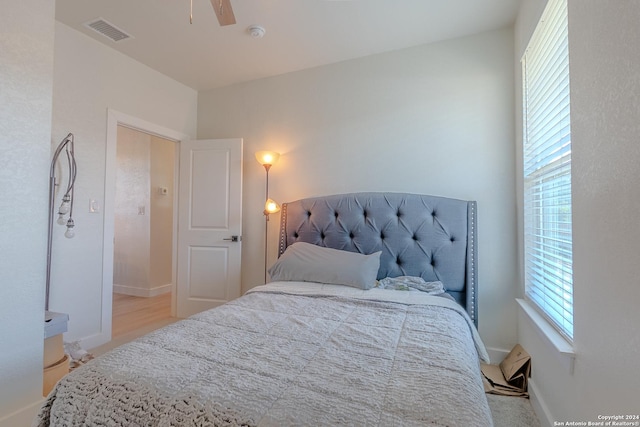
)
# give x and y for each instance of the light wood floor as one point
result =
(134, 317)
(131, 313)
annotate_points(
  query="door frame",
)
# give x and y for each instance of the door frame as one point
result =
(114, 119)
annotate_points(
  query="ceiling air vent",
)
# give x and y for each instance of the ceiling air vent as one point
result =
(107, 29)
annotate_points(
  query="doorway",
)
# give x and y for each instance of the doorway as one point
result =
(114, 120)
(143, 230)
(193, 168)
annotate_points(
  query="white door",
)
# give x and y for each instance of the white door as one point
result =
(209, 216)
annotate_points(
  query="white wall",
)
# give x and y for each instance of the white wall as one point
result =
(163, 158)
(143, 240)
(131, 259)
(26, 87)
(434, 119)
(604, 63)
(89, 77)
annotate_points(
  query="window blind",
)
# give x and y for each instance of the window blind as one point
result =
(547, 169)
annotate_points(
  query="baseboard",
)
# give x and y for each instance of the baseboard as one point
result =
(539, 407)
(142, 292)
(22, 417)
(95, 340)
(497, 355)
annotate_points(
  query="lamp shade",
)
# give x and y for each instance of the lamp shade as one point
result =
(267, 157)
(271, 207)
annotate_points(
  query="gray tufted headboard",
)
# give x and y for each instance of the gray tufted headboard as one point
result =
(426, 236)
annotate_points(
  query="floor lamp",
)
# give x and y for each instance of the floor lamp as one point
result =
(267, 159)
(67, 202)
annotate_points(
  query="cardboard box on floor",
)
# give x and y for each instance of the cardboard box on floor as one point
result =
(511, 376)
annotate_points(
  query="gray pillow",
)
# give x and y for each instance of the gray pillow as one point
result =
(310, 263)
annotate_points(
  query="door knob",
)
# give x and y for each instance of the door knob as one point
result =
(234, 238)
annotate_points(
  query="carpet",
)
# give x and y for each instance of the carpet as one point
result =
(510, 411)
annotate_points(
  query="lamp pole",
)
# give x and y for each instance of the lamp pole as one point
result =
(67, 203)
(267, 159)
(267, 166)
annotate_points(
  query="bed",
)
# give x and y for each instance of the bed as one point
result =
(370, 319)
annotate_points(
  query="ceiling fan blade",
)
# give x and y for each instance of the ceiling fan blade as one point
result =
(224, 12)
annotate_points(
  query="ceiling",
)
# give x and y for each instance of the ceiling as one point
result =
(300, 34)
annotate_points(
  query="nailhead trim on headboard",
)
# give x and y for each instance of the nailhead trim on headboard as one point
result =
(282, 244)
(472, 284)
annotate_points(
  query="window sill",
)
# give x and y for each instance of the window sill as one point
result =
(562, 347)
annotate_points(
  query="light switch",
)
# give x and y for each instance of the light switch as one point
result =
(141, 210)
(94, 206)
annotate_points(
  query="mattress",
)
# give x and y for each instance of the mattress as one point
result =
(289, 354)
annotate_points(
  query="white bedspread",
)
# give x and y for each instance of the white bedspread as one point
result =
(284, 355)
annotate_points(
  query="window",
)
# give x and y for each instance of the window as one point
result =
(547, 169)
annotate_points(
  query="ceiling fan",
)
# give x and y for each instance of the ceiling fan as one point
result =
(223, 11)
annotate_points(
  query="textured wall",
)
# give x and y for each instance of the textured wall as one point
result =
(143, 241)
(131, 257)
(26, 85)
(605, 122)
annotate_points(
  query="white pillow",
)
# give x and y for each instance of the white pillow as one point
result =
(310, 263)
